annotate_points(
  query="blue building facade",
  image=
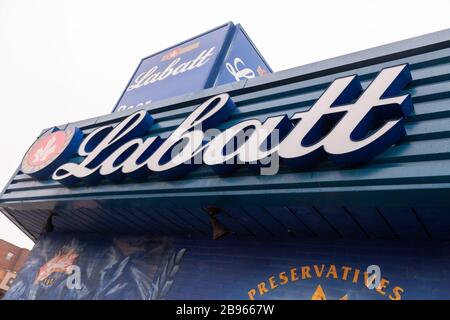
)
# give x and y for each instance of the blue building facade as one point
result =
(316, 229)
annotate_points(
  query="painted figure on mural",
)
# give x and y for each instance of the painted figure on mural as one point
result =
(111, 268)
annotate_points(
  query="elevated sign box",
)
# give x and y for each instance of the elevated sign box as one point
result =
(222, 55)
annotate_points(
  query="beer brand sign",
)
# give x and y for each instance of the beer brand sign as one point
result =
(175, 68)
(347, 125)
(220, 56)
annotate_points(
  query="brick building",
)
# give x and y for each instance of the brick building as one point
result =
(11, 260)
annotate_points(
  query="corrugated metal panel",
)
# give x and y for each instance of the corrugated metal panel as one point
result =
(414, 172)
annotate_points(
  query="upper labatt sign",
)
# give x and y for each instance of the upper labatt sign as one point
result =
(347, 125)
(180, 70)
(222, 55)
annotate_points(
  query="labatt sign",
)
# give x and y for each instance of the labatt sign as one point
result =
(347, 125)
(174, 68)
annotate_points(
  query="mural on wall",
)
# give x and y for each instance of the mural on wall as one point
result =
(302, 269)
(92, 267)
(141, 267)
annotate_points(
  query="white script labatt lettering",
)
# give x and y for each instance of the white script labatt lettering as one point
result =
(347, 125)
(174, 68)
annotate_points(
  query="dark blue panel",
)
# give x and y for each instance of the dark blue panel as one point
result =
(290, 221)
(125, 222)
(200, 214)
(225, 218)
(200, 225)
(318, 225)
(144, 219)
(404, 222)
(253, 225)
(81, 223)
(267, 220)
(183, 222)
(342, 221)
(436, 221)
(166, 225)
(33, 225)
(372, 222)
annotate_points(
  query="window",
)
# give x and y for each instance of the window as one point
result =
(9, 256)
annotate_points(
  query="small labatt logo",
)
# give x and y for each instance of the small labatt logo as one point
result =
(50, 147)
(179, 51)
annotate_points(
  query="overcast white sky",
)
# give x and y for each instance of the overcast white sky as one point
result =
(62, 61)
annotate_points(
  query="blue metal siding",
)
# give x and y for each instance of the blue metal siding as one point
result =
(326, 201)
